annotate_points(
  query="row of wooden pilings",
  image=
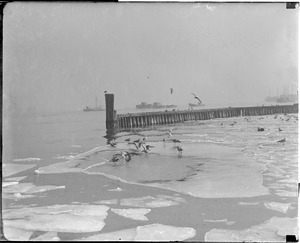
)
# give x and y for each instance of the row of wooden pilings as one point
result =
(140, 120)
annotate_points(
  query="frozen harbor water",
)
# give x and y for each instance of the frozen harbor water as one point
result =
(230, 183)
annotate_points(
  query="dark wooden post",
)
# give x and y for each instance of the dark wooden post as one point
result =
(111, 114)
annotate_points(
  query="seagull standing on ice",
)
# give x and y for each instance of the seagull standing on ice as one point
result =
(281, 140)
(179, 149)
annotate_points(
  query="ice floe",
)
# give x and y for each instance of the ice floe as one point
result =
(16, 234)
(49, 236)
(152, 232)
(133, 213)
(11, 169)
(150, 202)
(248, 203)
(57, 218)
(27, 159)
(281, 207)
(29, 188)
(274, 229)
(63, 167)
(160, 232)
(118, 189)
(215, 220)
(20, 178)
(112, 201)
(9, 183)
(284, 193)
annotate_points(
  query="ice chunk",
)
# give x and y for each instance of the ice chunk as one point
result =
(174, 198)
(284, 193)
(288, 181)
(160, 232)
(152, 232)
(281, 207)
(16, 178)
(118, 189)
(133, 213)
(9, 183)
(215, 220)
(248, 203)
(49, 236)
(63, 167)
(16, 234)
(27, 159)
(16, 196)
(148, 201)
(57, 218)
(29, 188)
(11, 169)
(274, 229)
(230, 222)
(112, 201)
(120, 235)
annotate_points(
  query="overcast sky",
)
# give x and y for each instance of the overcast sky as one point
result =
(61, 55)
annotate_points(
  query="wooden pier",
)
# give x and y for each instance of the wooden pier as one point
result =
(147, 119)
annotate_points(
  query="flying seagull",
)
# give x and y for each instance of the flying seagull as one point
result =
(196, 97)
(171, 90)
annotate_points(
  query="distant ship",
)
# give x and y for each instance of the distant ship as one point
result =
(199, 102)
(96, 108)
(155, 105)
(196, 105)
(285, 97)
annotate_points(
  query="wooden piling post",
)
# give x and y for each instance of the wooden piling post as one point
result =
(111, 114)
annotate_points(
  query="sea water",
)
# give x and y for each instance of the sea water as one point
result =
(231, 182)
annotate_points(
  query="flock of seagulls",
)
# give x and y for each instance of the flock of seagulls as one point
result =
(142, 147)
(286, 117)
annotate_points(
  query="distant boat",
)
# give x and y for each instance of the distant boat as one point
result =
(96, 108)
(155, 105)
(196, 105)
(287, 98)
(93, 108)
(283, 98)
(199, 102)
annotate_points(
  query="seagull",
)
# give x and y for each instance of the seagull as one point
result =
(149, 146)
(127, 140)
(134, 144)
(176, 141)
(171, 90)
(197, 98)
(179, 149)
(281, 140)
(126, 156)
(105, 92)
(279, 129)
(145, 150)
(113, 144)
(115, 157)
(260, 129)
(137, 141)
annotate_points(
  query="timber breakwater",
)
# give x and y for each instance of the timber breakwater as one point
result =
(146, 119)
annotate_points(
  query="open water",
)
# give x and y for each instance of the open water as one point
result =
(230, 183)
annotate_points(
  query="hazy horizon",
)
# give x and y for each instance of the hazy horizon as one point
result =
(59, 56)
